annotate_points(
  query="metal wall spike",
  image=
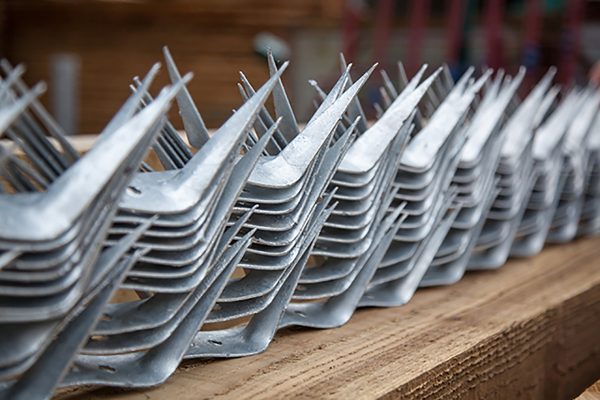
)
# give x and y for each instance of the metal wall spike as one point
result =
(516, 178)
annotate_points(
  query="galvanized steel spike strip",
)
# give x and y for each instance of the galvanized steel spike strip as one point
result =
(268, 224)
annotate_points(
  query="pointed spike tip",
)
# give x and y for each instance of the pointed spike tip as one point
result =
(154, 69)
(367, 74)
(186, 79)
(283, 67)
(38, 89)
(343, 62)
(19, 69)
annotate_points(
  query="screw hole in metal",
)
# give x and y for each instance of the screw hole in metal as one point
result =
(107, 368)
(133, 191)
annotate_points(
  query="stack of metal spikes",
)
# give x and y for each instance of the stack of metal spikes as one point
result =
(475, 181)
(589, 222)
(56, 276)
(515, 177)
(547, 150)
(423, 181)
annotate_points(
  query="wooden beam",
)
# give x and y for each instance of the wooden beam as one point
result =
(591, 393)
(527, 330)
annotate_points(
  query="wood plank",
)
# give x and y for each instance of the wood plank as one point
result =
(591, 393)
(116, 40)
(528, 330)
(261, 13)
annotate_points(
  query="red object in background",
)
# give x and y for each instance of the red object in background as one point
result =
(494, 12)
(456, 10)
(352, 16)
(533, 24)
(383, 30)
(571, 39)
(532, 33)
(419, 12)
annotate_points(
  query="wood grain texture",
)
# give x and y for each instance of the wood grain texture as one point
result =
(591, 393)
(528, 330)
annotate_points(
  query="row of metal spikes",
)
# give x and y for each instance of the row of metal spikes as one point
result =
(266, 223)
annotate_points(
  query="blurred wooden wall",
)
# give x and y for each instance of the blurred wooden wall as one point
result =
(116, 40)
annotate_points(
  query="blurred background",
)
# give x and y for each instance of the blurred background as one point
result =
(89, 50)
